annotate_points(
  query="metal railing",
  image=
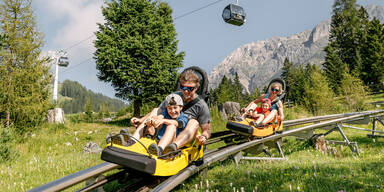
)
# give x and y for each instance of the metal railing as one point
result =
(75, 178)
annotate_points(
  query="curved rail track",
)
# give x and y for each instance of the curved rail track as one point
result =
(140, 182)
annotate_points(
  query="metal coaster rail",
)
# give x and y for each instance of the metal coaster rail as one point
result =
(210, 157)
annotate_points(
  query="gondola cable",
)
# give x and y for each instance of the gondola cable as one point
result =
(198, 9)
(177, 17)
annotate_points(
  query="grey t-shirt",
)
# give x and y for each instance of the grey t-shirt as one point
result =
(198, 111)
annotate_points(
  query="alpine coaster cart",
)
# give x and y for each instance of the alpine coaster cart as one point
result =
(137, 156)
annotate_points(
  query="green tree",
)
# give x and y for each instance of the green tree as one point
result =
(136, 50)
(334, 68)
(248, 97)
(24, 75)
(102, 110)
(318, 96)
(224, 92)
(353, 92)
(347, 36)
(288, 76)
(297, 88)
(373, 55)
(238, 95)
(88, 111)
(7, 151)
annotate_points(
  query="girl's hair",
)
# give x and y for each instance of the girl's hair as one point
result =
(189, 76)
(274, 85)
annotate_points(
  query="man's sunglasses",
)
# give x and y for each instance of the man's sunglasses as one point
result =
(184, 88)
(274, 90)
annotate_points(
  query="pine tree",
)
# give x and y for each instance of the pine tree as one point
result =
(224, 92)
(136, 50)
(288, 76)
(24, 76)
(238, 95)
(297, 88)
(334, 68)
(373, 55)
(88, 111)
(347, 36)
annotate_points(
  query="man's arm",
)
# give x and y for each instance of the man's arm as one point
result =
(206, 128)
(205, 135)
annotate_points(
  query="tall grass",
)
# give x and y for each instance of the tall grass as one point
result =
(217, 123)
(51, 153)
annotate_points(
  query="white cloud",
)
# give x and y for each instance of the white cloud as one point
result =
(78, 21)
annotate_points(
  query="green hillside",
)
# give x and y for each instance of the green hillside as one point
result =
(75, 96)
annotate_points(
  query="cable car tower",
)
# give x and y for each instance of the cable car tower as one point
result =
(60, 59)
(234, 14)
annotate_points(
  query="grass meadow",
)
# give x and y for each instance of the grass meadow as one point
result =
(51, 153)
(57, 150)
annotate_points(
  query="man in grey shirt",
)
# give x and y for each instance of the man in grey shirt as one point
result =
(195, 108)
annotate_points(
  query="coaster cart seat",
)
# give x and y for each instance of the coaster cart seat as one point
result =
(245, 127)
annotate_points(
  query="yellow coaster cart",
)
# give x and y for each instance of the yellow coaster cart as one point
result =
(245, 127)
(138, 158)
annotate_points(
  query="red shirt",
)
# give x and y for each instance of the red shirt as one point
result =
(260, 110)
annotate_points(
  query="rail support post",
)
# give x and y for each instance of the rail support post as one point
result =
(352, 146)
(374, 131)
(261, 148)
(237, 157)
(278, 147)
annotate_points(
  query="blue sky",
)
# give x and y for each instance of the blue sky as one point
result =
(203, 35)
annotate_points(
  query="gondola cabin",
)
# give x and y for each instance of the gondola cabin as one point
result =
(63, 61)
(234, 14)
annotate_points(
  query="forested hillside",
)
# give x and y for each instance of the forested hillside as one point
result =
(79, 96)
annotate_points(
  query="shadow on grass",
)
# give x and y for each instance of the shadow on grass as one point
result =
(121, 122)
